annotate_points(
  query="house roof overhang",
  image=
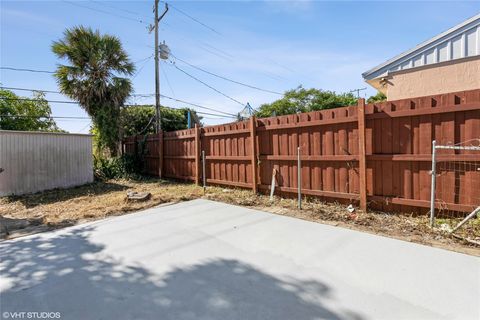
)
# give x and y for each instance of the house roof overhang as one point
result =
(458, 42)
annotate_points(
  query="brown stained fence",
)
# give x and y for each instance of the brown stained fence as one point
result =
(179, 155)
(378, 154)
(148, 146)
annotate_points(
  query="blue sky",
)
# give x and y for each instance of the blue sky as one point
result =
(276, 45)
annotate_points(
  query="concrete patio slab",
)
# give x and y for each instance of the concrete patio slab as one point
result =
(208, 260)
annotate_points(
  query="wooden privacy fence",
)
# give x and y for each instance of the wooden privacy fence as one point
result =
(378, 154)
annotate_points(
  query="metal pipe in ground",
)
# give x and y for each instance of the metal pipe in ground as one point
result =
(470, 216)
(299, 182)
(432, 191)
(203, 172)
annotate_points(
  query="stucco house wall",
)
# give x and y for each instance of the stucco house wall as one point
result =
(434, 79)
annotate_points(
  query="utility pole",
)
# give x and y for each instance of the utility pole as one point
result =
(158, 126)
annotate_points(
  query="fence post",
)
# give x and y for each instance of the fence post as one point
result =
(197, 154)
(253, 127)
(299, 178)
(160, 154)
(432, 187)
(362, 163)
(204, 174)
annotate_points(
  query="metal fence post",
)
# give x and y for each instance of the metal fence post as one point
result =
(299, 164)
(432, 191)
(203, 172)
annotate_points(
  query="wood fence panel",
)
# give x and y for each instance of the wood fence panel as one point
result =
(321, 148)
(179, 155)
(151, 152)
(228, 151)
(398, 144)
(402, 146)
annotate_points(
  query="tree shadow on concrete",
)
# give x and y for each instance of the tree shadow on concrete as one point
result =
(71, 274)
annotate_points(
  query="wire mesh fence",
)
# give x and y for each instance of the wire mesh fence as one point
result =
(455, 188)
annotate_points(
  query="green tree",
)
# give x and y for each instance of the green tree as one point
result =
(93, 78)
(379, 97)
(31, 114)
(304, 100)
(140, 119)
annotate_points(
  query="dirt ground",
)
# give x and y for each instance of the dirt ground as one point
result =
(59, 208)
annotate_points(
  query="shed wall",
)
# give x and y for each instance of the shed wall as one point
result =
(34, 161)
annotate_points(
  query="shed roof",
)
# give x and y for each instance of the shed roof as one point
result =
(459, 42)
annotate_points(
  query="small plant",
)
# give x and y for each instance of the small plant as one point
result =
(125, 166)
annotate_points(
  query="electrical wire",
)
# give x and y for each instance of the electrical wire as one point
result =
(103, 11)
(47, 117)
(135, 95)
(183, 101)
(27, 70)
(198, 112)
(56, 101)
(225, 78)
(193, 18)
(164, 72)
(32, 90)
(144, 59)
(148, 125)
(200, 44)
(105, 3)
(38, 100)
(141, 68)
(197, 105)
(207, 85)
(88, 124)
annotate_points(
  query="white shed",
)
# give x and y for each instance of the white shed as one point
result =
(36, 161)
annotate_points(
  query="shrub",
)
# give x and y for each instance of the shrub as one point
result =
(125, 166)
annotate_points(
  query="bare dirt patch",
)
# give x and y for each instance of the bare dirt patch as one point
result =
(59, 208)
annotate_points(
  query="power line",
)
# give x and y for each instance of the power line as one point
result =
(216, 115)
(105, 3)
(194, 19)
(88, 124)
(209, 86)
(56, 101)
(104, 12)
(38, 100)
(141, 68)
(198, 112)
(225, 78)
(135, 95)
(48, 117)
(52, 72)
(27, 70)
(148, 125)
(144, 59)
(186, 102)
(202, 45)
(33, 90)
(164, 72)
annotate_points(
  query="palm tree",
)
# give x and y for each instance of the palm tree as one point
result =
(92, 77)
